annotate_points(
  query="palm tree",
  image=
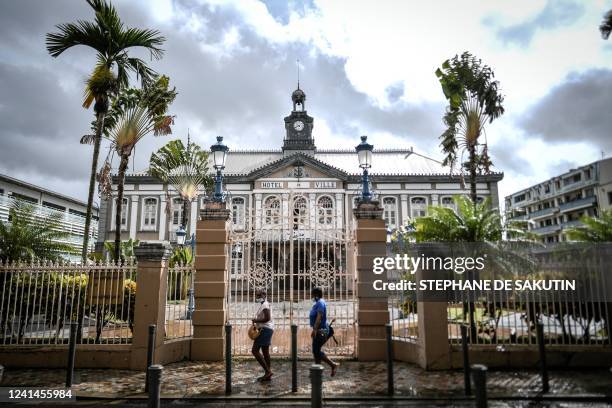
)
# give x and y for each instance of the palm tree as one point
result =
(474, 100)
(606, 25)
(183, 167)
(595, 229)
(469, 223)
(111, 40)
(134, 114)
(29, 235)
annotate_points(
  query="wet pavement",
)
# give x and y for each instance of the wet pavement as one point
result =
(206, 380)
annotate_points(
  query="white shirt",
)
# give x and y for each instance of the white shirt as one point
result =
(260, 315)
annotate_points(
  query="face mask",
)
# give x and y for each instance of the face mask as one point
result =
(259, 300)
(316, 298)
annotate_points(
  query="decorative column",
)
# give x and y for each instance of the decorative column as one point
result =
(210, 283)
(312, 209)
(434, 200)
(133, 216)
(258, 213)
(404, 208)
(373, 309)
(162, 217)
(150, 303)
(338, 208)
(285, 206)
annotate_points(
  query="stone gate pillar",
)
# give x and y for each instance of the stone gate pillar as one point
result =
(210, 283)
(150, 302)
(373, 312)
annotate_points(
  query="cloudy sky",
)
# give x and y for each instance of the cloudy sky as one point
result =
(367, 68)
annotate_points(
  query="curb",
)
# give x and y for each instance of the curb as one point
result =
(357, 398)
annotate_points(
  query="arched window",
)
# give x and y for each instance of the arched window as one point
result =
(272, 210)
(390, 211)
(447, 202)
(418, 207)
(325, 207)
(124, 212)
(177, 211)
(238, 211)
(149, 213)
(300, 210)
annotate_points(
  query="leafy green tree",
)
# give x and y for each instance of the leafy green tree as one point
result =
(469, 223)
(134, 114)
(111, 40)
(595, 229)
(183, 167)
(474, 99)
(181, 256)
(28, 235)
(606, 25)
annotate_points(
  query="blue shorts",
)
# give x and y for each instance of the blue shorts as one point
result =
(265, 337)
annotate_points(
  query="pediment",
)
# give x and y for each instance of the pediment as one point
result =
(298, 165)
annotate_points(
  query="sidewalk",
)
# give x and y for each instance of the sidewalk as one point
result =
(200, 380)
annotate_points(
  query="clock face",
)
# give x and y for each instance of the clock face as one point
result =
(298, 125)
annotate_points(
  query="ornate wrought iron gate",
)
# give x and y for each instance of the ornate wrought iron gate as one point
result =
(288, 247)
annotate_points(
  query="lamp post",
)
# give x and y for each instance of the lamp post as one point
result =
(181, 234)
(219, 152)
(364, 154)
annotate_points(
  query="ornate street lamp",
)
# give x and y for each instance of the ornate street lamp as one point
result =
(364, 154)
(219, 152)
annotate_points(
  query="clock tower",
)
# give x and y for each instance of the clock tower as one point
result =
(298, 126)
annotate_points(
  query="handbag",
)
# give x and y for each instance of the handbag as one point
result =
(254, 332)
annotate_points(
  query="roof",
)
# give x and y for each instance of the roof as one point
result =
(384, 161)
(25, 184)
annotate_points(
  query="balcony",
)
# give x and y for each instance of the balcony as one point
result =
(549, 229)
(543, 213)
(577, 185)
(580, 203)
(572, 224)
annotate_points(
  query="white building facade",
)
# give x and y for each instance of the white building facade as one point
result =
(47, 202)
(300, 179)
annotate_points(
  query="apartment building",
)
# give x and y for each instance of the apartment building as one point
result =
(557, 204)
(48, 202)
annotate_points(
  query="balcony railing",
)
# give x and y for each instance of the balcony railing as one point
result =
(572, 224)
(544, 212)
(582, 202)
(548, 229)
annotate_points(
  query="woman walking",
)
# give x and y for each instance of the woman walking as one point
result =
(263, 322)
(320, 329)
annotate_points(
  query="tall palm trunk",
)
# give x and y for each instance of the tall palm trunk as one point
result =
(186, 208)
(472, 161)
(125, 158)
(92, 180)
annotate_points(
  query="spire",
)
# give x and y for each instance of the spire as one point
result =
(298, 73)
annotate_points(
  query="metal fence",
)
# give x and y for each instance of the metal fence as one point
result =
(581, 316)
(570, 317)
(39, 301)
(179, 302)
